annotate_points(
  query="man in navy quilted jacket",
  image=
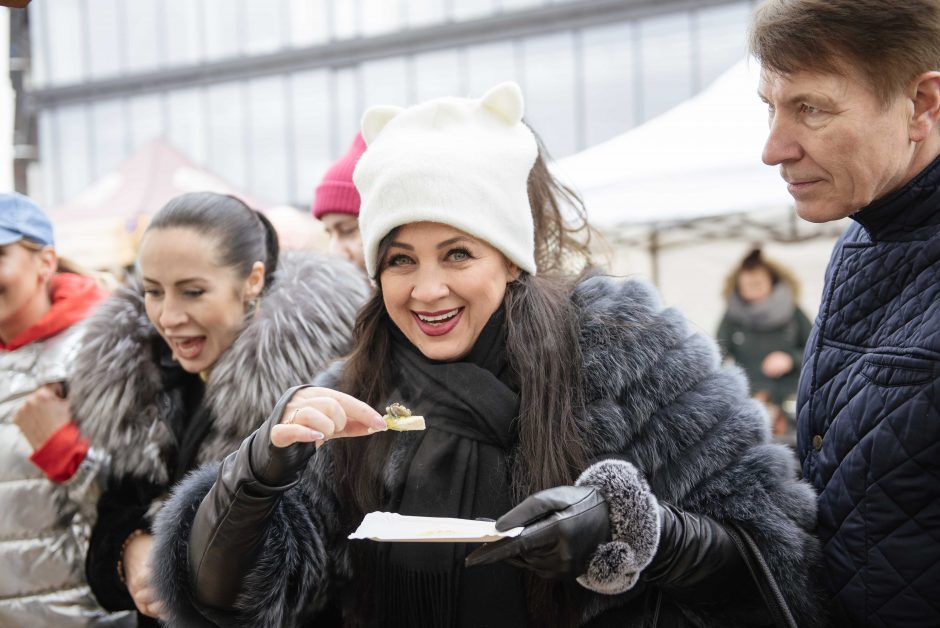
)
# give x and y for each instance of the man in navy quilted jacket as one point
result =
(853, 93)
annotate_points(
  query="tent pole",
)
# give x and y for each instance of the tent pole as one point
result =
(654, 254)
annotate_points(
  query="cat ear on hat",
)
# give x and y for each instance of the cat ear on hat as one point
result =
(375, 119)
(505, 100)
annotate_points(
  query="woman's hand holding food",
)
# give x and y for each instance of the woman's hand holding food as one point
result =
(315, 415)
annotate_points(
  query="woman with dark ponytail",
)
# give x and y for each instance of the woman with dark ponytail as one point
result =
(176, 371)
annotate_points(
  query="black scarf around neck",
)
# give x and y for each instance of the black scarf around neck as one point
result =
(458, 467)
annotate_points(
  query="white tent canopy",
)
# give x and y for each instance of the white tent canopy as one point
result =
(700, 159)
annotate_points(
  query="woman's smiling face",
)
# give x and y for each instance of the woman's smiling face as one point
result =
(196, 303)
(23, 278)
(441, 285)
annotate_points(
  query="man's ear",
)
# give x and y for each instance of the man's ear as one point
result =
(254, 284)
(925, 89)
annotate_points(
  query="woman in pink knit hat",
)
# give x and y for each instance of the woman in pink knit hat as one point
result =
(336, 205)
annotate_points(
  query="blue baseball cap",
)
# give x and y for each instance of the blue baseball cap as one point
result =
(21, 218)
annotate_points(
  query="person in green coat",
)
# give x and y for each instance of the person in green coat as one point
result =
(764, 331)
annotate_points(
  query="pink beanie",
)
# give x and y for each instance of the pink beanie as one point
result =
(336, 193)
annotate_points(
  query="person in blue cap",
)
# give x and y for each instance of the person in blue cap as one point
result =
(50, 480)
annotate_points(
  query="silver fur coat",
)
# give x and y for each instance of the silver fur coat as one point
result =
(304, 321)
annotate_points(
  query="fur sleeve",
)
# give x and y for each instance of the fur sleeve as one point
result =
(658, 397)
(287, 584)
(171, 572)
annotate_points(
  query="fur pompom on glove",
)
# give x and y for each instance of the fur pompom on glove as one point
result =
(634, 525)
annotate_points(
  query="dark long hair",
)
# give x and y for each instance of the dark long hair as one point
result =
(244, 236)
(562, 232)
(544, 352)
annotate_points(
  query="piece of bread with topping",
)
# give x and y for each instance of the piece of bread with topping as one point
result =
(400, 419)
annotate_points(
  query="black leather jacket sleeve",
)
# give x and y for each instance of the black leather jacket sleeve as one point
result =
(697, 561)
(231, 524)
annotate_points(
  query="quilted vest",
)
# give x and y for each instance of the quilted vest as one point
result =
(43, 525)
(869, 412)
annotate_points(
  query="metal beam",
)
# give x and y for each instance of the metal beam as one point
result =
(501, 26)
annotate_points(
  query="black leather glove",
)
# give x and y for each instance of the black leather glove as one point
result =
(697, 560)
(563, 528)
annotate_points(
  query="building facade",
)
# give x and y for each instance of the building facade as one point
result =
(268, 92)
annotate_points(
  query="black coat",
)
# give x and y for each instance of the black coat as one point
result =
(125, 505)
(869, 412)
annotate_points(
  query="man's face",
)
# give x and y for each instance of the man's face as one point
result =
(837, 146)
(345, 240)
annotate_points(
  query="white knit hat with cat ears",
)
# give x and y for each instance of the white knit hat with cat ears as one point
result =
(458, 161)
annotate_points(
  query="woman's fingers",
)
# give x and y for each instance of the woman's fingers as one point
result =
(316, 419)
(317, 414)
(287, 434)
(339, 408)
(357, 411)
(283, 434)
(353, 409)
(358, 429)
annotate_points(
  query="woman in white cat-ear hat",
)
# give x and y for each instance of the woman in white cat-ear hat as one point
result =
(576, 409)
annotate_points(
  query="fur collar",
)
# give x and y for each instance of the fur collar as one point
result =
(305, 320)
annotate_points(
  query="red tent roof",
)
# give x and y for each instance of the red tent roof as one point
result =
(100, 227)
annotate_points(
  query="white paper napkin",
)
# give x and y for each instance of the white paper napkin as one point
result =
(390, 526)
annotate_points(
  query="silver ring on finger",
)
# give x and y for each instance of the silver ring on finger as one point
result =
(293, 415)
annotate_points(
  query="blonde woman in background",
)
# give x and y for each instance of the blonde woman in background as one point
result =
(49, 477)
(764, 331)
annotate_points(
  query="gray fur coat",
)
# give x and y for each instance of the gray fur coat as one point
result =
(659, 407)
(304, 321)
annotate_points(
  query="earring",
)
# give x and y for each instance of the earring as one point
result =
(252, 306)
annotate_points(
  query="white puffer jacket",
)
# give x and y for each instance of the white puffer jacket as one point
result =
(44, 526)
